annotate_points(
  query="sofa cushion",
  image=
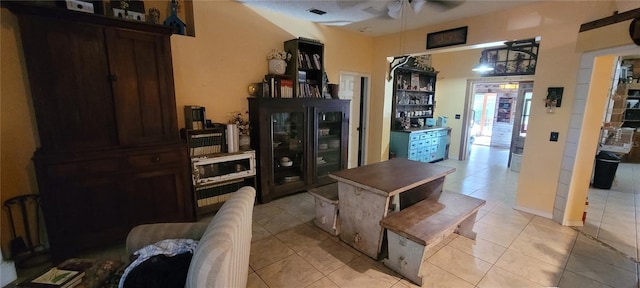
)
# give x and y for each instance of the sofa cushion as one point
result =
(222, 256)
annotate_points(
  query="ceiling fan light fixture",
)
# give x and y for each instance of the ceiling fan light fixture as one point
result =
(482, 67)
(417, 5)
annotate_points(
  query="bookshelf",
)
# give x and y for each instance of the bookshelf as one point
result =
(306, 67)
(414, 102)
(216, 174)
(194, 117)
(205, 141)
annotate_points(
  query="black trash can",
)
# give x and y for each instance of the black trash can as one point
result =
(606, 166)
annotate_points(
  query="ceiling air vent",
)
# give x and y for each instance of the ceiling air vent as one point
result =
(317, 11)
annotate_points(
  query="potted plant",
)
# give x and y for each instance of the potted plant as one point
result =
(244, 140)
(278, 61)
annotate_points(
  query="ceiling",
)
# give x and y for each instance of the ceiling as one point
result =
(370, 16)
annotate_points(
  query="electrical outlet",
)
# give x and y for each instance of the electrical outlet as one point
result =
(554, 137)
(457, 116)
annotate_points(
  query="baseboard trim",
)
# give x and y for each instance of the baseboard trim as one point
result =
(574, 223)
(534, 212)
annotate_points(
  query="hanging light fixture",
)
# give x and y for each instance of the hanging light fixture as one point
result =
(484, 65)
(398, 9)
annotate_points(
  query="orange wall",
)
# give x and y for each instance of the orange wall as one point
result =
(212, 69)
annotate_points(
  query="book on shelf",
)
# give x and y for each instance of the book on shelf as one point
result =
(286, 88)
(280, 86)
(316, 60)
(308, 61)
(55, 278)
(308, 90)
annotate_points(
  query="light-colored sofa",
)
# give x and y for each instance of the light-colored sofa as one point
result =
(222, 256)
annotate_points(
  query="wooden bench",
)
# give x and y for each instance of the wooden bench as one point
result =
(327, 208)
(416, 229)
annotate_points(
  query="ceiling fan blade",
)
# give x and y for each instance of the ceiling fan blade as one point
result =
(417, 5)
(445, 4)
(394, 9)
(349, 3)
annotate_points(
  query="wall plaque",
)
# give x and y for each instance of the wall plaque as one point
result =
(446, 38)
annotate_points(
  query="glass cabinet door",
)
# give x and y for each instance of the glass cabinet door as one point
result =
(329, 137)
(288, 132)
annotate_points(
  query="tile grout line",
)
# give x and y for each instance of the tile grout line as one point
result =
(602, 243)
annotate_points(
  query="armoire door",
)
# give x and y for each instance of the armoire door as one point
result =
(142, 81)
(69, 77)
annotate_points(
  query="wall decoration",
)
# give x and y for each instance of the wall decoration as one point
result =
(173, 21)
(128, 9)
(154, 15)
(515, 58)
(554, 96)
(446, 38)
(504, 109)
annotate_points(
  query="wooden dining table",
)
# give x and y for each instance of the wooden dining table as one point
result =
(367, 194)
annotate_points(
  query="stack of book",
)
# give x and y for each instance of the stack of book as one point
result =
(307, 61)
(280, 86)
(55, 278)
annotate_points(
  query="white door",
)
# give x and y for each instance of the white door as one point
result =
(353, 86)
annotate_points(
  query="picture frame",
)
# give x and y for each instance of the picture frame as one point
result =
(455, 36)
(86, 6)
(554, 96)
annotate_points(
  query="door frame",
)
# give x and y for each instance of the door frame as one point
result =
(466, 117)
(361, 113)
(523, 88)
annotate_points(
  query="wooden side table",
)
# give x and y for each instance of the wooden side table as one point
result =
(99, 273)
(369, 193)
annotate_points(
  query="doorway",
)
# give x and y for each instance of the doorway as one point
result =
(497, 115)
(355, 87)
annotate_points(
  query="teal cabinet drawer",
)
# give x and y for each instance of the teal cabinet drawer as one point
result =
(413, 154)
(442, 133)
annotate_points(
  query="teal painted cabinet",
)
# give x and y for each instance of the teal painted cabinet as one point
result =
(424, 145)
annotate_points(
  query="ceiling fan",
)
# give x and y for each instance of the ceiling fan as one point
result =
(395, 7)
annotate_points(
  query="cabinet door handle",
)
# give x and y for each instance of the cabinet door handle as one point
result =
(155, 159)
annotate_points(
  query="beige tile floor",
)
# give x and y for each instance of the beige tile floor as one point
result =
(513, 248)
(613, 215)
